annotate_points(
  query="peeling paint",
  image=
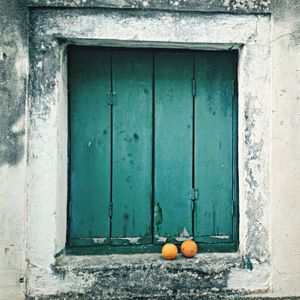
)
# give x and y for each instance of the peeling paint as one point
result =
(161, 239)
(256, 212)
(158, 217)
(98, 240)
(182, 239)
(184, 236)
(220, 237)
(184, 233)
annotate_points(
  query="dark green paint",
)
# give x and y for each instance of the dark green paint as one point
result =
(89, 82)
(214, 143)
(98, 250)
(132, 143)
(173, 142)
(141, 136)
(235, 177)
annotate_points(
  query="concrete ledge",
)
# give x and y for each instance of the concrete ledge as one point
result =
(139, 276)
(233, 6)
(204, 262)
(144, 276)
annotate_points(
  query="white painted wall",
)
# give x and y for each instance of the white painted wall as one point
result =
(285, 176)
(14, 72)
(12, 249)
(285, 218)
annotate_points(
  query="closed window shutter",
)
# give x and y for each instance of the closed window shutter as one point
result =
(153, 148)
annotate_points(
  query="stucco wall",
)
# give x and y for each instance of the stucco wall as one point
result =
(286, 148)
(13, 84)
(285, 142)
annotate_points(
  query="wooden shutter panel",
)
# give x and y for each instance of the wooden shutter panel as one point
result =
(173, 143)
(215, 146)
(132, 144)
(89, 82)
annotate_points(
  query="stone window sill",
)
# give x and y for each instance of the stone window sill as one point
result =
(206, 262)
(139, 275)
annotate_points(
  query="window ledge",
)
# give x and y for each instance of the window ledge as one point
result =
(141, 275)
(205, 262)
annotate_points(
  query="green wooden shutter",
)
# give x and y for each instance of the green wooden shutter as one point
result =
(89, 82)
(173, 144)
(132, 144)
(215, 146)
(147, 127)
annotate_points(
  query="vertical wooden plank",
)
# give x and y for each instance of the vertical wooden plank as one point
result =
(173, 143)
(89, 82)
(214, 142)
(235, 175)
(132, 73)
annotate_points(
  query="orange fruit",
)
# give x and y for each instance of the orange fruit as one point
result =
(169, 251)
(189, 248)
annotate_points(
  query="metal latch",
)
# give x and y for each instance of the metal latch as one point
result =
(112, 98)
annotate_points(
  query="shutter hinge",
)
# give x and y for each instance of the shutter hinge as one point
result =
(194, 87)
(110, 209)
(194, 193)
(112, 98)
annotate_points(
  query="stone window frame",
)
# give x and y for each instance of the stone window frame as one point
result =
(47, 169)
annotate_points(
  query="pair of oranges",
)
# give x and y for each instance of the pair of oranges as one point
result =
(188, 248)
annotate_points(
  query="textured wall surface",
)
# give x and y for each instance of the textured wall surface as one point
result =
(101, 277)
(140, 276)
(286, 148)
(233, 6)
(13, 81)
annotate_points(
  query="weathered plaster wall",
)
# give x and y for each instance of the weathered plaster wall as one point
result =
(138, 277)
(77, 274)
(13, 81)
(232, 6)
(51, 31)
(286, 147)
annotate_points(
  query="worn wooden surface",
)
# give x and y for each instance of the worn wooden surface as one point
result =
(173, 143)
(143, 152)
(89, 82)
(214, 142)
(132, 143)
